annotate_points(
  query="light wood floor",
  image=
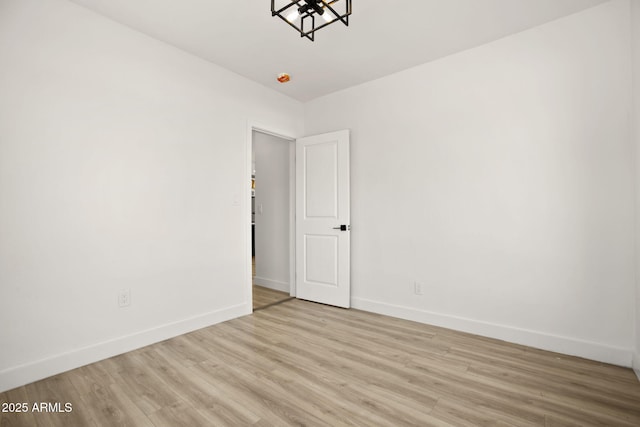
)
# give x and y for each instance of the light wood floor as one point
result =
(299, 363)
(265, 297)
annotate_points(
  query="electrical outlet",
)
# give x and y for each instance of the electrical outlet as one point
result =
(124, 298)
(417, 288)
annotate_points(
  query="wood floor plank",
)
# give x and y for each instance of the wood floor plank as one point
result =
(470, 415)
(591, 398)
(56, 390)
(263, 297)
(143, 385)
(18, 419)
(200, 394)
(578, 377)
(300, 363)
(180, 414)
(102, 402)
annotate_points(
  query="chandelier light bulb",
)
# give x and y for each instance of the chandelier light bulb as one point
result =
(293, 16)
(327, 16)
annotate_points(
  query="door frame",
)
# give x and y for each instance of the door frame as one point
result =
(270, 130)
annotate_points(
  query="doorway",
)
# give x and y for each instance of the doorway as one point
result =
(271, 219)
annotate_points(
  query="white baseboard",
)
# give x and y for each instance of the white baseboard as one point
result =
(559, 344)
(34, 371)
(276, 285)
(636, 364)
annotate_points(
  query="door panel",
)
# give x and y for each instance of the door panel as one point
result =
(322, 207)
(321, 254)
(321, 180)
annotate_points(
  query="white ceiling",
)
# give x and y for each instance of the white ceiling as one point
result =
(384, 36)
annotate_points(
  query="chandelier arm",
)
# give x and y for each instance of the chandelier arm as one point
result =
(291, 25)
(343, 18)
(304, 34)
(278, 12)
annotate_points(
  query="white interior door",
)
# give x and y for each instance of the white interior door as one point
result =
(322, 219)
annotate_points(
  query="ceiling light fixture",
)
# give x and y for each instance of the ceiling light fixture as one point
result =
(302, 14)
(283, 77)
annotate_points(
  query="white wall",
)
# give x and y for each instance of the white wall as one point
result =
(502, 179)
(635, 23)
(123, 164)
(272, 222)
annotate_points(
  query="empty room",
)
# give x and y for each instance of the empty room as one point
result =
(319, 213)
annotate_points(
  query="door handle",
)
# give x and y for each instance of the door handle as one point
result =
(343, 227)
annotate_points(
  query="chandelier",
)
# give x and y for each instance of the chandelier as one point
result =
(308, 16)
